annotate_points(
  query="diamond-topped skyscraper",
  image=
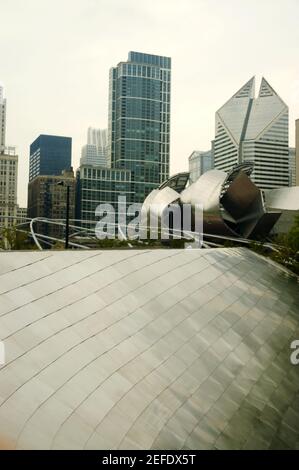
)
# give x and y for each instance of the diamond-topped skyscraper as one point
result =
(256, 130)
(139, 120)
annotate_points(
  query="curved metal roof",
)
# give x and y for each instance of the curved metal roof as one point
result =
(162, 349)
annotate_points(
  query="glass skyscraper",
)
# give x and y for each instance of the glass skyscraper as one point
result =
(50, 155)
(199, 163)
(139, 120)
(95, 186)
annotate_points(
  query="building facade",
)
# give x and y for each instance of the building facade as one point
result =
(8, 187)
(8, 173)
(95, 151)
(97, 186)
(21, 214)
(297, 151)
(255, 130)
(50, 155)
(199, 163)
(292, 164)
(47, 199)
(98, 137)
(2, 120)
(139, 120)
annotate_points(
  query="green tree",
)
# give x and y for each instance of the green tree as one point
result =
(293, 236)
(13, 239)
(288, 248)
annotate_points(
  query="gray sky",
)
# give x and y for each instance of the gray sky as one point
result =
(56, 54)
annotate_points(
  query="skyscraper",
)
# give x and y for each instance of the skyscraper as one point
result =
(8, 172)
(256, 130)
(8, 186)
(199, 163)
(97, 137)
(139, 120)
(292, 163)
(50, 155)
(95, 186)
(47, 198)
(95, 151)
(2, 120)
(297, 151)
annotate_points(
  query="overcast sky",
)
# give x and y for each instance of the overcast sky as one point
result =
(55, 57)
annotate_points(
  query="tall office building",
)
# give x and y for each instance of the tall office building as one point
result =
(297, 151)
(95, 151)
(8, 187)
(139, 120)
(97, 137)
(95, 186)
(292, 164)
(2, 120)
(199, 163)
(47, 198)
(256, 130)
(8, 173)
(50, 155)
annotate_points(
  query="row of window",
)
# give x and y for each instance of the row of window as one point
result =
(106, 174)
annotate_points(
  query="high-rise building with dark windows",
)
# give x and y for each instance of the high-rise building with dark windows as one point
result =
(98, 185)
(139, 120)
(50, 155)
(47, 198)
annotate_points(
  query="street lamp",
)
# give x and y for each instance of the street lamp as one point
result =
(67, 219)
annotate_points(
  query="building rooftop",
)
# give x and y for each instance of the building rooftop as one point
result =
(162, 349)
